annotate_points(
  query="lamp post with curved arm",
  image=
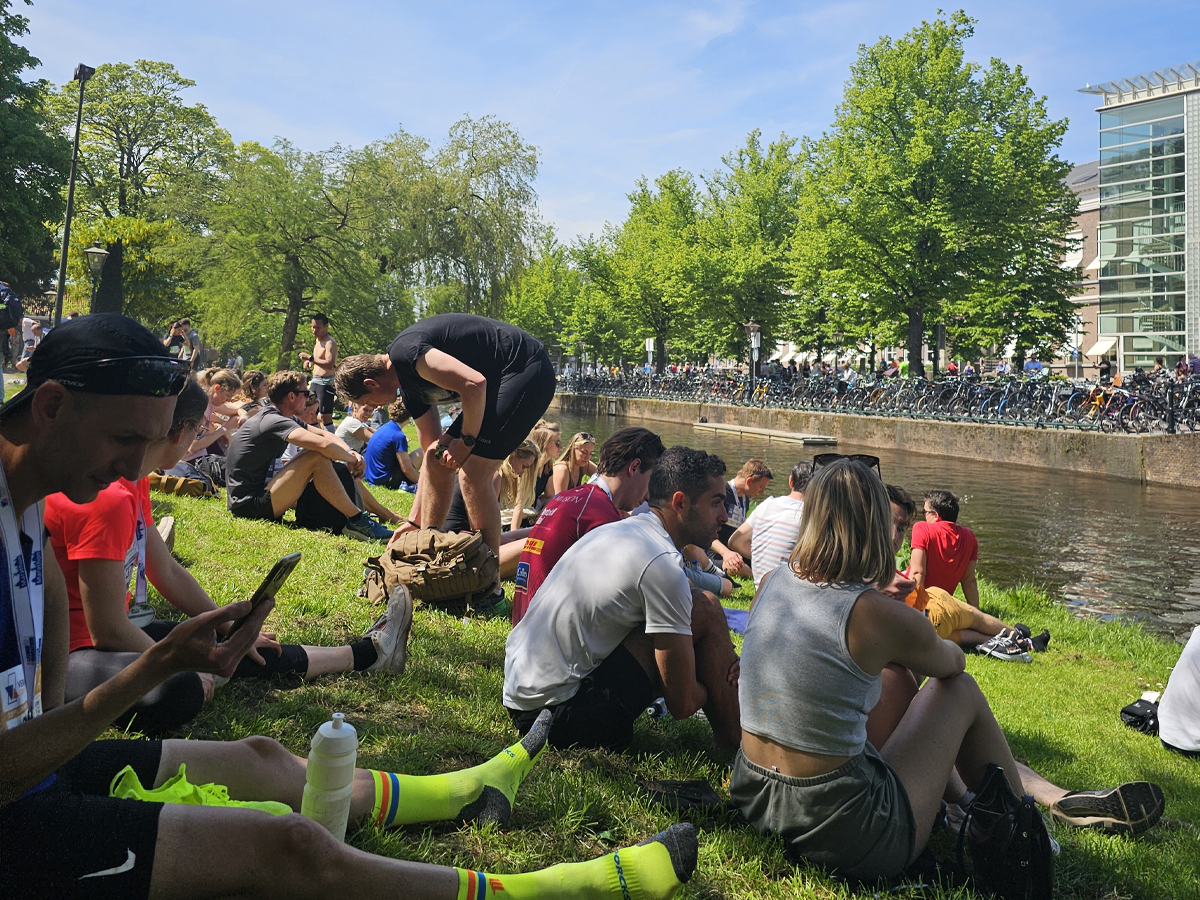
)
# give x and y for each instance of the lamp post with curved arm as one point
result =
(82, 74)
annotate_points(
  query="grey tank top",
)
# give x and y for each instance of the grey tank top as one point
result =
(799, 685)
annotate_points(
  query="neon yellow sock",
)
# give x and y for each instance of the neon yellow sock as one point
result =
(654, 870)
(482, 793)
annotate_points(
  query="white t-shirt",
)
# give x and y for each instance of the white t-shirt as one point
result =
(775, 526)
(27, 334)
(346, 430)
(616, 578)
(1179, 707)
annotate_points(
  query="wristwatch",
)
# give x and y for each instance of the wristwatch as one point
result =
(468, 440)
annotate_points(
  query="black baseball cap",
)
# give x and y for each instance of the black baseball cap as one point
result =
(105, 353)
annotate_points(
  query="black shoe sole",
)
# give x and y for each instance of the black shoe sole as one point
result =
(1131, 808)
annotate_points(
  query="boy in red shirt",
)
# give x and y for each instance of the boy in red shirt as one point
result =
(944, 552)
(626, 460)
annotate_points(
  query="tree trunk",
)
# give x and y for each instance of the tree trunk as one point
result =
(110, 293)
(660, 353)
(1019, 358)
(916, 334)
(291, 322)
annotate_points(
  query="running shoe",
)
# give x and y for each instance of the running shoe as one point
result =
(1130, 808)
(389, 634)
(1002, 646)
(363, 528)
(494, 606)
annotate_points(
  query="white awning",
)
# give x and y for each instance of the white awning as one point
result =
(1102, 346)
(1093, 266)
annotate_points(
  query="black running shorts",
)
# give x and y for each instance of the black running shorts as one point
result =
(322, 387)
(514, 407)
(602, 712)
(71, 840)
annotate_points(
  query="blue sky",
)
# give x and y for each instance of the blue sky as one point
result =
(606, 91)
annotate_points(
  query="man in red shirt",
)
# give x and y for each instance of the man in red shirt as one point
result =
(944, 552)
(626, 460)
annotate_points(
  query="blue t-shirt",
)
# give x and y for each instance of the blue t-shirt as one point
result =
(382, 465)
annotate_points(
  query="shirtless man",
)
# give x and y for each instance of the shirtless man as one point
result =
(323, 360)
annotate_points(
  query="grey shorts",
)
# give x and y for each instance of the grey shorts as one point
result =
(856, 820)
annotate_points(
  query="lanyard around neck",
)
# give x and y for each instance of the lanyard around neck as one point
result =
(24, 700)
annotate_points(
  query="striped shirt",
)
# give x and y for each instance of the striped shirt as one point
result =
(775, 527)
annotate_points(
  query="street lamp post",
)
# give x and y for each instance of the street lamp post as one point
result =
(82, 74)
(96, 255)
(754, 333)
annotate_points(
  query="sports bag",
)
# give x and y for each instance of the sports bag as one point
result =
(181, 485)
(445, 569)
(1009, 847)
(1141, 715)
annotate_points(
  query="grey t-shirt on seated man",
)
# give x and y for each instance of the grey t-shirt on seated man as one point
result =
(252, 449)
(618, 577)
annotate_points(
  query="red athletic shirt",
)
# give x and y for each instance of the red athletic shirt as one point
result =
(949, 548)
(102, 529)
(566, 518)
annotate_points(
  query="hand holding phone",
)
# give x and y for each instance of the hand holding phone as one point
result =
(270, 586)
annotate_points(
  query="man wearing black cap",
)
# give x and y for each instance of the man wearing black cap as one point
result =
(100, 391)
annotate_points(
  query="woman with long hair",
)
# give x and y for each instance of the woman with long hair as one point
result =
(221, 386)
(548, 439)
(518, 482)
(819, 635)
(252, 393)
(574, 465)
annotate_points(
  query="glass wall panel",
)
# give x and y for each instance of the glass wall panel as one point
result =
(1136, 209)
(1142, 246)
(1142, 112)
(1147, 168)
(1156, 303)
(1145, 131)
(1159, 284)
(1142, 265)
(1136, 190)
(1142, 227)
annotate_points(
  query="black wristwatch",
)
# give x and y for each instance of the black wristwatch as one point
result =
(468, 440)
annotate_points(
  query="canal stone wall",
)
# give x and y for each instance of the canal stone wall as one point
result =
(1150, 458)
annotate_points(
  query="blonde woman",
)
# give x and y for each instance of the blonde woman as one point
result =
(819, 636)
(574, 465)
(252, 395)
(220, 386)
(518, 488)
(549, 444)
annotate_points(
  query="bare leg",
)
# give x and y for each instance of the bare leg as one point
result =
(434, 492)
(949, 723)
(205, 852)
(899, 689)
(373, 506)
(715, 656)
(327, 660)
(510, 555)
(483, 507)
(288, 485)
(1042, 790)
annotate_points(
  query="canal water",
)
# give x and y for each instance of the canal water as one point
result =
(1108, 547)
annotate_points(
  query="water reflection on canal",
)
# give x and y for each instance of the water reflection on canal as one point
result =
(1103, 544)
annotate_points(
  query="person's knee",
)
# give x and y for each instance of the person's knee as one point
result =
(269, 752)
(305, 850)
(708, 617)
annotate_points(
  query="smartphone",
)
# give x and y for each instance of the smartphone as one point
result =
(269, 588)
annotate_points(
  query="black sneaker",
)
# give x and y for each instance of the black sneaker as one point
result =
(1130, 808)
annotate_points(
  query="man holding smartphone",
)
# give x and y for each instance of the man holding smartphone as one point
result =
(100, 391)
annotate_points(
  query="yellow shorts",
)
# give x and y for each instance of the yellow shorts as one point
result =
(947, 613)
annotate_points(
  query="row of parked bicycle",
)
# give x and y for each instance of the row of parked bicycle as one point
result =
(1140, 405)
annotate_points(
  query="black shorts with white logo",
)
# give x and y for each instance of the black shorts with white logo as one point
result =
(71, 840)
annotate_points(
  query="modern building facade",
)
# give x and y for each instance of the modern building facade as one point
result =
(1149, 246)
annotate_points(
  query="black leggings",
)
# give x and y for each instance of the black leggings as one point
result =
(177, 700)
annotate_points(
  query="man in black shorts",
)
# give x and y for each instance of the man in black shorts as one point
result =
(252, 494)
(505, 380)
(100, 391)
(323, 362)
(602, 640)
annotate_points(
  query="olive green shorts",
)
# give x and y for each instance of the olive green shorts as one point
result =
(855, 820)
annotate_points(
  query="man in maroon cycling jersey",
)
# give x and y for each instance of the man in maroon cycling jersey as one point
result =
(623, 477)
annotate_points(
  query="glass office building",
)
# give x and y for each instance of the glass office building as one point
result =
(1149, 265)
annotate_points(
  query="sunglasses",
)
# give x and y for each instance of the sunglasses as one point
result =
(142, 376)
(586, 438)
(828, 459)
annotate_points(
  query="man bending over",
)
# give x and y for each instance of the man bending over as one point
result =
(100, 391)
(616, 623)
(263, 439)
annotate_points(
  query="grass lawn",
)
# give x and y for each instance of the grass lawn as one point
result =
(444, 713)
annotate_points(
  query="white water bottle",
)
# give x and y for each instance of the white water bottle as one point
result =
(330, 778)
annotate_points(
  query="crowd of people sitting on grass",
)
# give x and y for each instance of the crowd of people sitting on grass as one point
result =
(852, 726)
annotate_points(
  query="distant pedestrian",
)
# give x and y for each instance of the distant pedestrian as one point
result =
(1193, 364)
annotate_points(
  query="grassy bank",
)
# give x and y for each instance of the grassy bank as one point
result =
(1060, 714)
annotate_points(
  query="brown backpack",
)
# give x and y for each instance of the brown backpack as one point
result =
(181, 486)
(450, 571)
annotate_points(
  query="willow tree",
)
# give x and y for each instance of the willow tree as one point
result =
(936, 179)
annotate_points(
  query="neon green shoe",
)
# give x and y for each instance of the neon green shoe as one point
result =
(127, 786)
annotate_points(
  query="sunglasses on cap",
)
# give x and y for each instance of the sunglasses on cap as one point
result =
(141, 376)
(828, 459)
(586, 438)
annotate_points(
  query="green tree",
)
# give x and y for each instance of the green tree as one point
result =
(154, 268)
(649, 267)
(744, 234)
(936, 180)
(33, 165)
(291, 234)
